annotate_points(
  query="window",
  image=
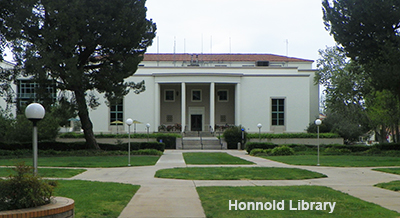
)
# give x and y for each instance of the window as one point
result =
(117, 113)
(169, 95)
(222, 95)
(29, 91)
(170, 118)
(222, 118)
(196, 95)
(278, 112)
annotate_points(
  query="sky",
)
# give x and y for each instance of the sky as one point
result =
(282, 27)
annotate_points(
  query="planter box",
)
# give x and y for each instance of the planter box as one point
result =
(59, 207)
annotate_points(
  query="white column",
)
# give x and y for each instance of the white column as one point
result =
(212, 105)
(156, 106)
(183, 106)
(237, 104)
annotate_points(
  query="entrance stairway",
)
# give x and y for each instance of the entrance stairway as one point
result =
(200, 141)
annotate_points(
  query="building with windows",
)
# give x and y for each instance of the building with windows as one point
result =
(206, 92)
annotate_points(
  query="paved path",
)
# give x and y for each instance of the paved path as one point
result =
(178, 198)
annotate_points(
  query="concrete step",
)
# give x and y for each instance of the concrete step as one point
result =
(197, 134)
(209, 143)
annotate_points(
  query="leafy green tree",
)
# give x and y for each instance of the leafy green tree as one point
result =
(84, 46)
(369, 33)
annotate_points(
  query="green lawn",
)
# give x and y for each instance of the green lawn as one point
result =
(393, 185)
(212, 158)
(85, 161)
(337, 160)
(96, 199)
(389, 170)
(236, 173)
(46, 172)
(215, 201)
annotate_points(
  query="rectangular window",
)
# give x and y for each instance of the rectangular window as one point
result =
(222, 95)
(196, 95)
(222, 118)
(29, 91)
(170, 118)
(117, 113)
(169, 95)
(278, 112)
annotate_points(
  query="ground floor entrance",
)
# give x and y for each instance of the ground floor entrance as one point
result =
(196, 122)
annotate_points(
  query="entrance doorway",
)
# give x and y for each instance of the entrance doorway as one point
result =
(196, 121)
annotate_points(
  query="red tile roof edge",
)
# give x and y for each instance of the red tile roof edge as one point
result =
(220, 57)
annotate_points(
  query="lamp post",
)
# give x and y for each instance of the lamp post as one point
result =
(148, 127)
(35, 112)
(259, 131)
(129, 122)
(318, 122)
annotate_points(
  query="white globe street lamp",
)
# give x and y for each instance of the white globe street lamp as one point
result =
(318, 122)
(148, 127)
(129, 122)
(259, 131)
(35, 112)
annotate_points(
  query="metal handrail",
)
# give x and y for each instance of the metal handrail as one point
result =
(201, 140)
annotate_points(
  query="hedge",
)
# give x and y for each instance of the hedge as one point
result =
(262, 145)
(62, 146)
(108, 135)
(268, 145)
(292, 135)
(169, 141)
(388, 146)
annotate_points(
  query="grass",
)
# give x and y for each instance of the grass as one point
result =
(389, 170)
(212, 158)
(85, 161)
(393, 185)
(337, 160)
(237, 173)
(215, 201)
(96, 199)
(46, 172)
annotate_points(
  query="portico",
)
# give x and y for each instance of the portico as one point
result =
(195, 104)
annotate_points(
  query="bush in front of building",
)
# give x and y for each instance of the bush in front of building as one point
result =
(282, 151)
(259, 145)
(234, 135)
(169, 141)
(24, 190)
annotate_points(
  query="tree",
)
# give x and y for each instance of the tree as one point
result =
(84, 46)
(369, 33)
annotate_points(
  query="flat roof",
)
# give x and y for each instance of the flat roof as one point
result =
(220, 57)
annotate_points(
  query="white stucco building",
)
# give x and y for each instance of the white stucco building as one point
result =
(202, 92)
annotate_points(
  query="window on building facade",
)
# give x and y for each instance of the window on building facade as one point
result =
(222, 95)
(222, 118)
(278, 112)
(170, 118)
(27, 92)
(117, 113)
(196, 95)
(169, 95)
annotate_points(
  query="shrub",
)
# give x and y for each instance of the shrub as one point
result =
(263, 145)
(282, 151)
(169, 141)
(336, 151)
(388, 146)
(293, 135)
(147, 152)
(24, 190)
(233, 135)
(256, 151)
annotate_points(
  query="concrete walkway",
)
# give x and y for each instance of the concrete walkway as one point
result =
(178, 198)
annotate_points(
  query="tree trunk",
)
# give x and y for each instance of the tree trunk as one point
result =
(87, 125)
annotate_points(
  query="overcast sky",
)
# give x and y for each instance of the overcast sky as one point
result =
(237, 26)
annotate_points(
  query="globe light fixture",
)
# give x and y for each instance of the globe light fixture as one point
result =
(35, 112)
(148, 127)
(129, 122)
(259, 126)
(318, 122)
